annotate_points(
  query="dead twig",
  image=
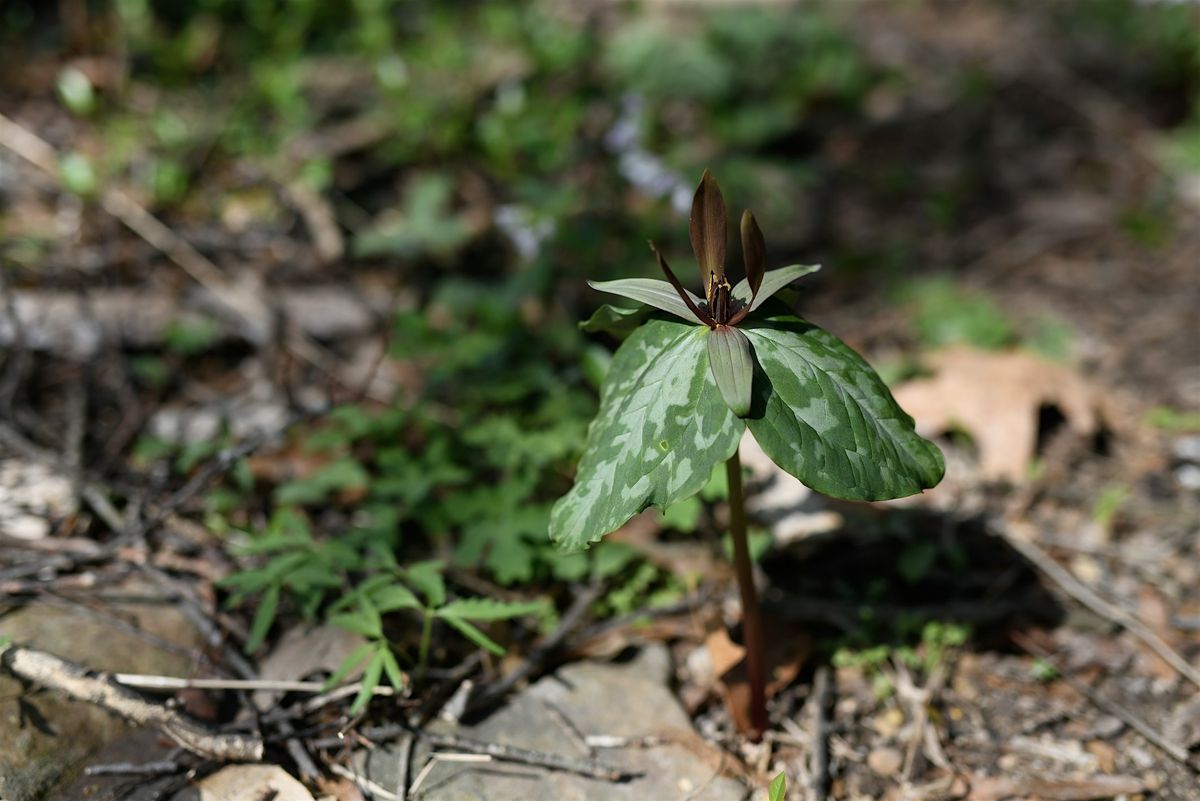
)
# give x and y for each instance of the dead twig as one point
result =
(1174, 750)
(363, 783)
(1089, 598)
(543, 651)
(161, 768)
(924, 738)
(404, 754)
(319, 218)
(507, 753)
(249, 309)
(818, 755)
(589, 768)
(82, 684)
(432, 763)
(171, 683)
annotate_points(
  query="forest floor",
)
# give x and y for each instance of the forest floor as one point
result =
(180, 378)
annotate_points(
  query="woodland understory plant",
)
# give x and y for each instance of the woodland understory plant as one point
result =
(695, 373)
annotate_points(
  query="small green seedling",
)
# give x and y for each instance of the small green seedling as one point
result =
(362, 612)
(689, 380)
(778, 789)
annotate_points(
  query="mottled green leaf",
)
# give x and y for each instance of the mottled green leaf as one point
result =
(652, 292)
(772, 282)
(661, 428)
(615, 320)
(823, 415)
(732, 364)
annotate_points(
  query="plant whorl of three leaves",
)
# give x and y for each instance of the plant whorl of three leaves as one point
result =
(684, 386)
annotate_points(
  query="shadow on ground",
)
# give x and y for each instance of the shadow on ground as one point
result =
(884, 576)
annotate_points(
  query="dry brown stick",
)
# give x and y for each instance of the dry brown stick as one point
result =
(543, 650)
(919, 699)
(404, 755)
(81, 684)
(249, 309)
(363, 783)
(164, 767)
(1089, 598)
(590, 768)
(141, 681)
(818, 755)
(1173, 749)
(507, 753)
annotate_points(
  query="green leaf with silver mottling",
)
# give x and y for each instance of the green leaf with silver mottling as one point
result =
(661, 429)
(732, 363)
(823, 415)
(772, 282)
(615, 320)
(652, 292)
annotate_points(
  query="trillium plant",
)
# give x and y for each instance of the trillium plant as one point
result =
(694, 373)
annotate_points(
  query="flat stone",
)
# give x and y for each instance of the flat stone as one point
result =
(45, 739)
(791, 510)
(885, 762)
(246, 783)
(629, 699)
(31, 496)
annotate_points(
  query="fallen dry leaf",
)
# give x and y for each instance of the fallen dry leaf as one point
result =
(787, 649)
(996, 398)
(303, 652)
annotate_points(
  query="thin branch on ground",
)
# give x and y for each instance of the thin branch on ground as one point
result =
(249, 309)
(818, 755)
(590, 768)
(81, 684)
(506, 753)
(924, 737)
(161, 768)
(1175, 750)
(170, 683)
(1092, 600)
(362, 782)
(415, 790)
(543, 651)
(404, 756)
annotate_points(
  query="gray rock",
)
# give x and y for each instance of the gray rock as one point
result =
(44, 739)
(627, 700)
(246, 783)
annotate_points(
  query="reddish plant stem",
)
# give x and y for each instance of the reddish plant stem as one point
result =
(752, 629)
